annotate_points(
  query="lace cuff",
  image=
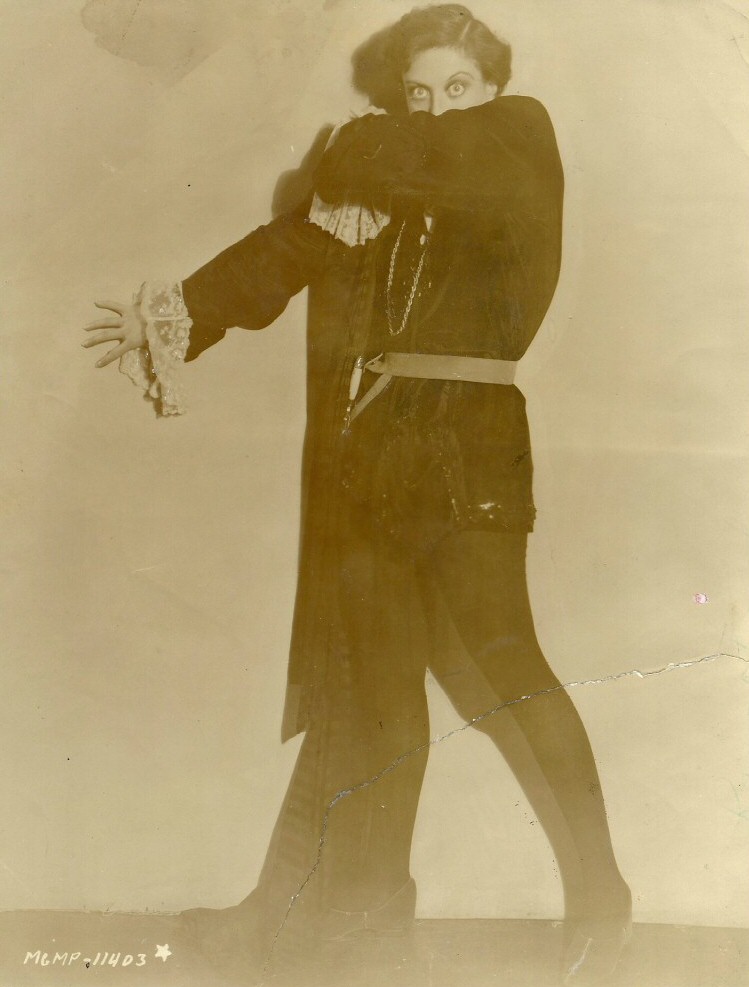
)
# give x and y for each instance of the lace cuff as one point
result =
(157, 367)
(352, 223)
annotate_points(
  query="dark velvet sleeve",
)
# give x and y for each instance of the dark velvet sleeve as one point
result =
(250, 283)
(504, 149)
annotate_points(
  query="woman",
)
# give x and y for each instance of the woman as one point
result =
(430, 243)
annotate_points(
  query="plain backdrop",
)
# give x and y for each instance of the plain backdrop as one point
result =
(149, 565)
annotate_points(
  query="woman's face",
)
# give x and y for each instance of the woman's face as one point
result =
(440, 79)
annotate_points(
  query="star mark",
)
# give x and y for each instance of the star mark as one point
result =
(163, 953)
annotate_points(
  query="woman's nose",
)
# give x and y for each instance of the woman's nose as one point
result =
(438, 104)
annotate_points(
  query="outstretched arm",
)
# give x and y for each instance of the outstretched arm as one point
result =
(247, 285)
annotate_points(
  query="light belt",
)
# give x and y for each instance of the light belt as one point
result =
(430, 366)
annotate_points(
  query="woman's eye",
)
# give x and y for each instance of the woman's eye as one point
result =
(419, 92)
(456, 89)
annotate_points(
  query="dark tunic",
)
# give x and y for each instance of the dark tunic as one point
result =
(426, 457)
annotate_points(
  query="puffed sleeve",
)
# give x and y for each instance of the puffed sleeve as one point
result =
(502, 150)
(250, 283)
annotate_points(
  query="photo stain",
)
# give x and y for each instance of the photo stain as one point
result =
(169, 39)
(110, 21)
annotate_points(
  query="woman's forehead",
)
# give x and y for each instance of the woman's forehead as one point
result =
(440, 63)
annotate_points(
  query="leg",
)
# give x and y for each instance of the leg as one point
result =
(383, 729)
(342, 840)
(349, 811)
(472, 695)
(482, 579)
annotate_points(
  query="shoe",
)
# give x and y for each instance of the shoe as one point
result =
(393, 918)
(216, 934)
(592, 956)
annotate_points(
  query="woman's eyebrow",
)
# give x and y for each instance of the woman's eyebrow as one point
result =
(455, 75)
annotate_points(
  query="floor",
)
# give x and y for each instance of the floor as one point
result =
(67, 949)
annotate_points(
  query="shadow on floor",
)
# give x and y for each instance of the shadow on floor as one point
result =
(68, 949)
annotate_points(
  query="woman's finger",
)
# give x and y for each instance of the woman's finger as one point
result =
(113, 355)
(105, 336)
(103, 324)
(112, 306)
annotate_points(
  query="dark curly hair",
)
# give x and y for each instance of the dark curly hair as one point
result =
(379, 63)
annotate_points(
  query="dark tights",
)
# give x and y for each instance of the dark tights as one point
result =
(483, 587)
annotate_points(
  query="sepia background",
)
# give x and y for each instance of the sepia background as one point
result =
(149, 565)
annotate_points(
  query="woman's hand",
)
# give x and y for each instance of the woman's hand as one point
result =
(127, 325)
(370, 110)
